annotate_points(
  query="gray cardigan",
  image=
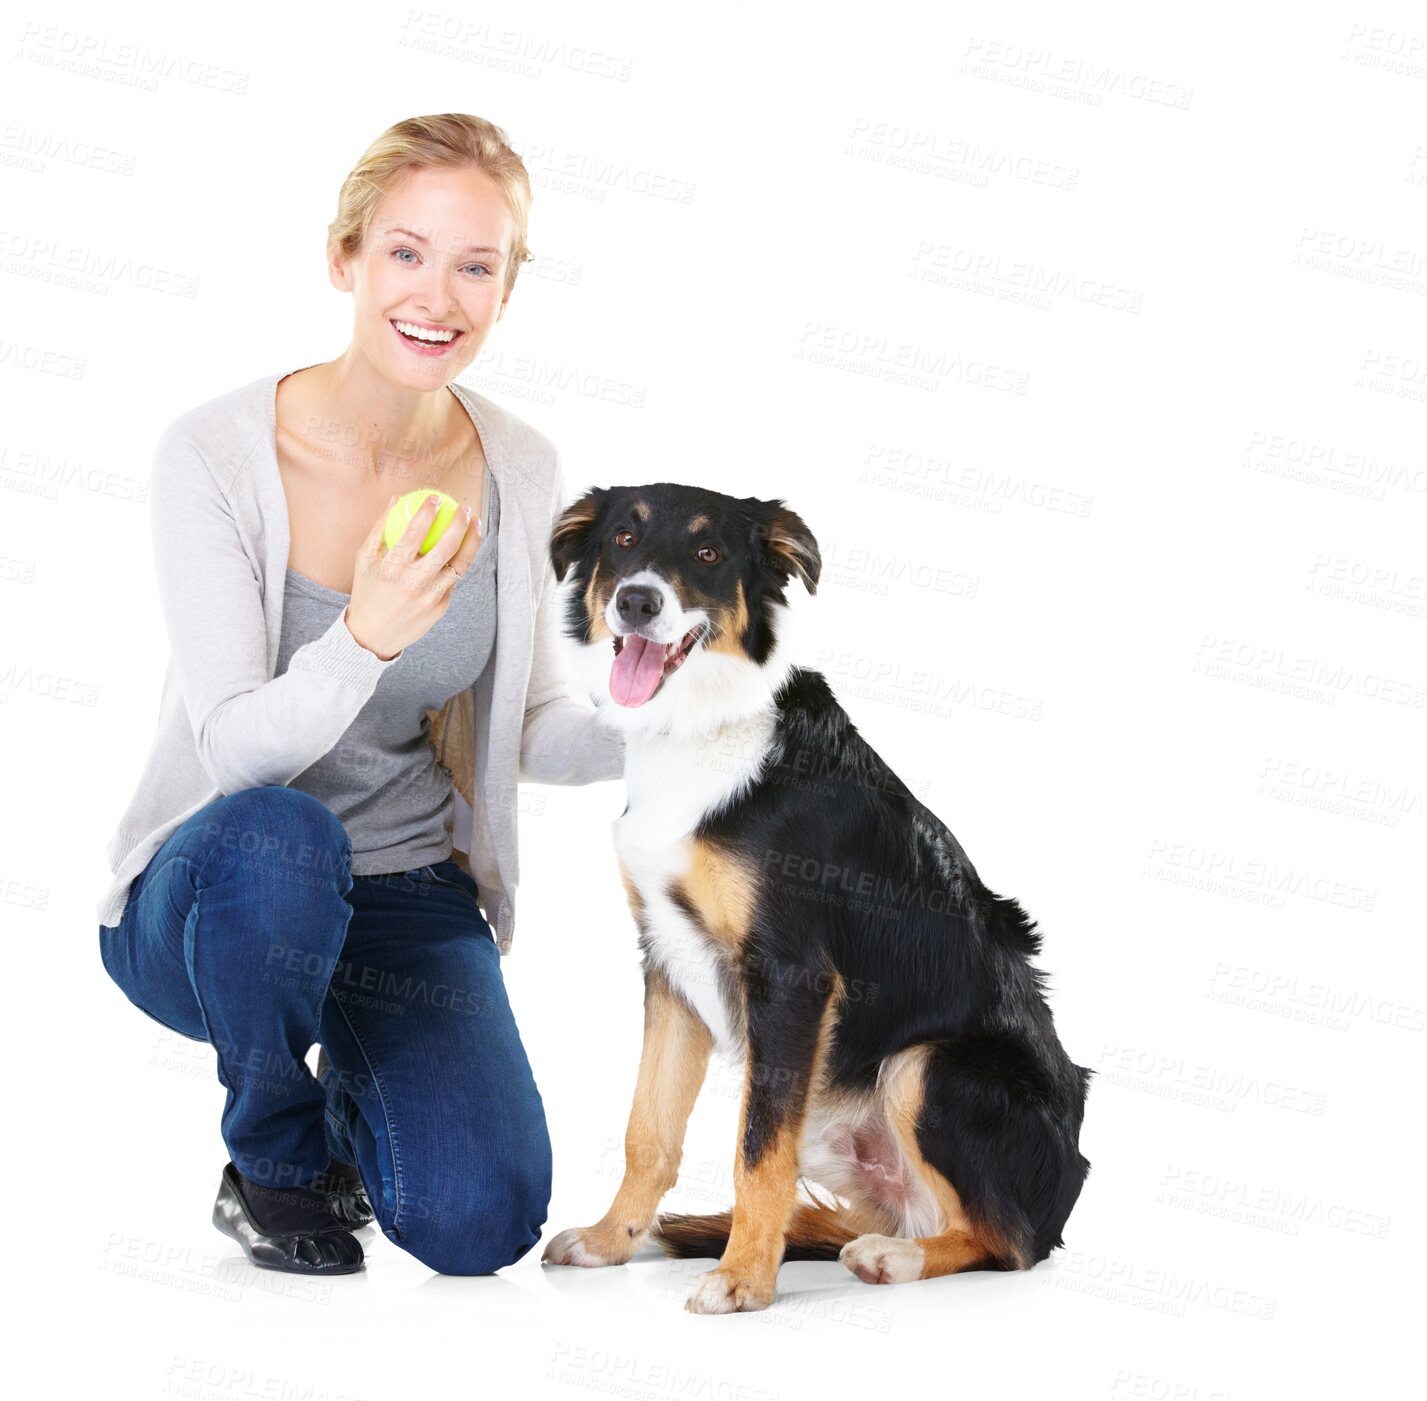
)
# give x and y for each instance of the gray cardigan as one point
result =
(219, 520)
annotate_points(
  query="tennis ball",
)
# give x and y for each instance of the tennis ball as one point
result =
(399, 517)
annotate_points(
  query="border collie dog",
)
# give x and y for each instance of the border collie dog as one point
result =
(800, 909)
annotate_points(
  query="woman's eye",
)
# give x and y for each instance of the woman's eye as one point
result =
(624, 538)
(397, 252)
(708, 554)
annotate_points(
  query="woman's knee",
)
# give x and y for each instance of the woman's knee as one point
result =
(258, 820)
(279, 833)
(460, 1235)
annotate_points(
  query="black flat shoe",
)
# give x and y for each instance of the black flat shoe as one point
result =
(292, 1230)
(347, 1199)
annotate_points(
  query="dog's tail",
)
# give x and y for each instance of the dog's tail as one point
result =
(816, 1232)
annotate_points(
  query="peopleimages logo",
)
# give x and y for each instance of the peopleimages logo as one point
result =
(935, 153)
(1041, 71)
(1157, 1289)
(1303, 999)
(1271, 666)
(1208, 1086)
(1270, 1208)
(1229, 868)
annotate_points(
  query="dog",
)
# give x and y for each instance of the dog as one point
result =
(799, 908)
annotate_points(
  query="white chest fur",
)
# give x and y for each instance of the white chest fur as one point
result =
(672, 785)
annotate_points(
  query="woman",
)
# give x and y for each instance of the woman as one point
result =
(327, 818)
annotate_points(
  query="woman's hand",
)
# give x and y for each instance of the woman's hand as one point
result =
(398, 595)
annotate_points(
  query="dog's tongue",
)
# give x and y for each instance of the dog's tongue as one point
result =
(638, 665)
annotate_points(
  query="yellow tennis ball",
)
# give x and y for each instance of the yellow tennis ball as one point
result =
(399, 517)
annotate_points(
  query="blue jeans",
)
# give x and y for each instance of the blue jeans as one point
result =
(248, 930)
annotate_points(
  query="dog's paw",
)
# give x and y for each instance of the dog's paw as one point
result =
(883, 1259)
(720, 1292)
(588, 1246)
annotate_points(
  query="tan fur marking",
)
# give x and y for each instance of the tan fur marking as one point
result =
(672, 1066)
(594, 608)
(792, 549)
(962, 1242)
(951, 1252)
(730, 625)
(640, 511)
(722, 889)
(631, 893)
(573, 519)
(698, 523)
(766, 1197)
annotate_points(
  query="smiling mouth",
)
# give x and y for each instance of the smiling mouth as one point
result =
(641, 666)
(425, 339)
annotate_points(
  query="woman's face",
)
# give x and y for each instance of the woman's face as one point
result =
(434, 256)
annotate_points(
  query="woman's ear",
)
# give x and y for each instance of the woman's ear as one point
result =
(573, 530)
(786, 545)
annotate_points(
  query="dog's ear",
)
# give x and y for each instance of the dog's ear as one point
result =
(572, 530)
(787, 545)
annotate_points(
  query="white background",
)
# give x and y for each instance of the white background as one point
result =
(1126, 581)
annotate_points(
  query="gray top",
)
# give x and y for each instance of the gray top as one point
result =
(381, 779)
(227, 721)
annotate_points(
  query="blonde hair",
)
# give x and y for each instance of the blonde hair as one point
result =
(454, 140)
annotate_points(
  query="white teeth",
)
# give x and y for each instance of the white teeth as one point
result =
(421, 334)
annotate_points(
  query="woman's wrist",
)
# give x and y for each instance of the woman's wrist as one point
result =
(347, 621)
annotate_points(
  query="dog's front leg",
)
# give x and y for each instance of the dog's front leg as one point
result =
(672, 1065)
(789, 1026)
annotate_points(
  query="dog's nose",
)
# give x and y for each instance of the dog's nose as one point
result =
(636, 605)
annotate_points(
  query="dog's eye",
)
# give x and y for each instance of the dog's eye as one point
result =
(624, 538)
(708, 554)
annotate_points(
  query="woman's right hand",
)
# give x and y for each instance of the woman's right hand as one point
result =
(398, 595)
